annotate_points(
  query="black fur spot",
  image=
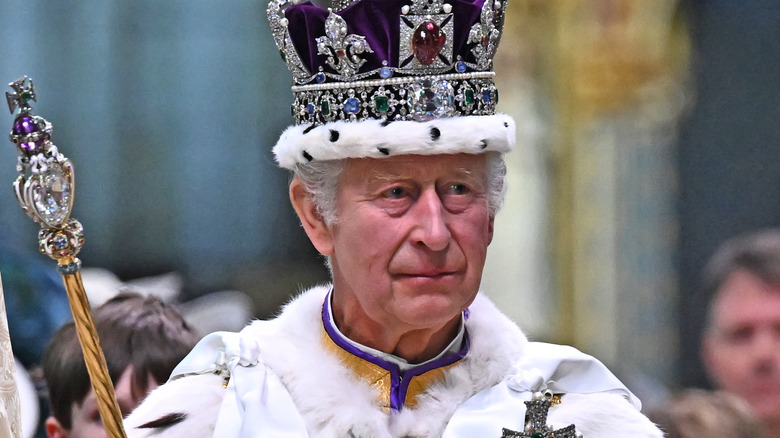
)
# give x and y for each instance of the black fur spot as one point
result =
(307, 156)
(483, 144)
(386, 122)
(334, 136)
(384, 151)
(506, 124)
(435, 133)
(307, 130)
(164, 421)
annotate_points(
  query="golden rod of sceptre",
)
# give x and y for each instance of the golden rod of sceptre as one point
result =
(45, 191)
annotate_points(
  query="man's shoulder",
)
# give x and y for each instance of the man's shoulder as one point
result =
(193, 397)
(565, 369)
(592, 398)
(219, 351)
(602, 414)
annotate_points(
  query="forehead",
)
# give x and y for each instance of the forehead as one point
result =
(425, 167)
(745, 297)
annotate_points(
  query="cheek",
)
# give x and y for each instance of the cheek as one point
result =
(730, 363)
(474, 236)
(369, 238)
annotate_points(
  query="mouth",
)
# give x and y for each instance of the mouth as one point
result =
(426, 274)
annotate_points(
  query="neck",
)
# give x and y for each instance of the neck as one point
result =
(415, 345)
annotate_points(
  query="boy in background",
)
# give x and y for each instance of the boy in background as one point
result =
(143, 339)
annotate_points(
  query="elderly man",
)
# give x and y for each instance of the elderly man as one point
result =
(397, 156)
(741, 344)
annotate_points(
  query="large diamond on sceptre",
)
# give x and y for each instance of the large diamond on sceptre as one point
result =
(45, 189)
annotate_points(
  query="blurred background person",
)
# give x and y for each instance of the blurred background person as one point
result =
(697, 413)
(143, 338)
(741, 343)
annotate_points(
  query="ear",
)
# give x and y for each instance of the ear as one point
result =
(54, 429)
(314, 225)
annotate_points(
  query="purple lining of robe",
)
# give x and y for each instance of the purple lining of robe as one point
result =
(399, 380)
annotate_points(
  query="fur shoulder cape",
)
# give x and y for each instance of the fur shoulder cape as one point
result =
(284, 383)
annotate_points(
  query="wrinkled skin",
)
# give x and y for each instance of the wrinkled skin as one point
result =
(407, 250)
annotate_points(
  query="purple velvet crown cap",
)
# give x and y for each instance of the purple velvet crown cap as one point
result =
(379, 22)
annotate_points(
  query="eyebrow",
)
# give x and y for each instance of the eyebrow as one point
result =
(381, 175)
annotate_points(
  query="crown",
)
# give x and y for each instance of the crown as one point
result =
(389, 59)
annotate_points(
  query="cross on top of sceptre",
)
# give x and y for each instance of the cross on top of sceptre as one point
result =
(24, 92)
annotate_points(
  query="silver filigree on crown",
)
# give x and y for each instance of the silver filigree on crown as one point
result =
(486, 34)
(281, 35)
(339, 5)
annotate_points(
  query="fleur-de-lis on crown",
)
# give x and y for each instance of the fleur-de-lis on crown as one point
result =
(342, 49)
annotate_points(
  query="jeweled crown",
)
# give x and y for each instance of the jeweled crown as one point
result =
(389, 59)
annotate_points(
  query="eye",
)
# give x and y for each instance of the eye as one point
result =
(740, 335)
(458, 189)
(395, 192)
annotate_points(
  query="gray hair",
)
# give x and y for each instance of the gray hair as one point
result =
(321, 181)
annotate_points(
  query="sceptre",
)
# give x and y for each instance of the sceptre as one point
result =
(45, 189)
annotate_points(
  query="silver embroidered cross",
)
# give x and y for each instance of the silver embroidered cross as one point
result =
(536, 421)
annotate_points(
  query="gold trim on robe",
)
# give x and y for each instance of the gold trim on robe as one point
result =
(380, 379)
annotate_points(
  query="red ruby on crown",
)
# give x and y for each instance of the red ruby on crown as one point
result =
(427, 42)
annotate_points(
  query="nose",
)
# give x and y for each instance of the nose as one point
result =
(431, 228)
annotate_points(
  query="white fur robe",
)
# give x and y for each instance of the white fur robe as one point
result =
(283, 383)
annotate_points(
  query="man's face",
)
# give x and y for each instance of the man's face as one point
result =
(411, 238)
(742, 351)
(85, 417)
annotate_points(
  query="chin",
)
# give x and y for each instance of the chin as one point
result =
(431, 312)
